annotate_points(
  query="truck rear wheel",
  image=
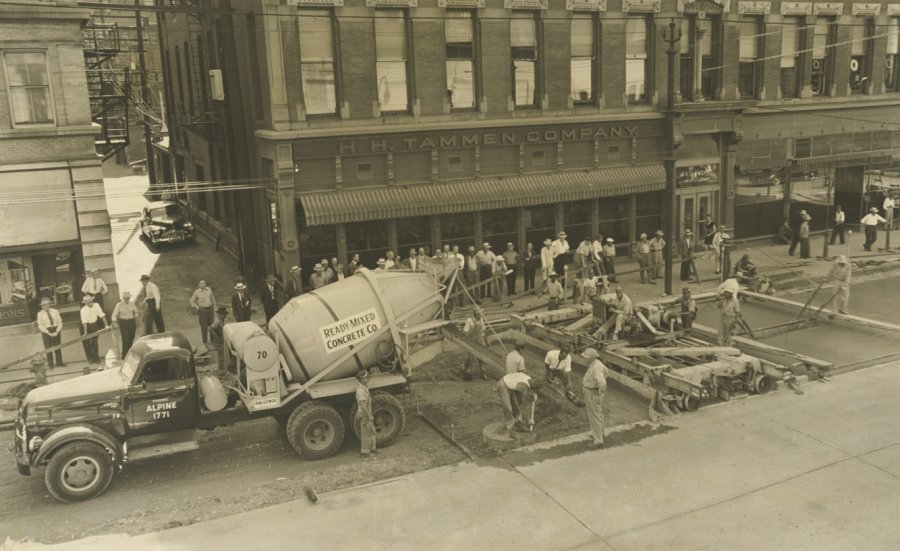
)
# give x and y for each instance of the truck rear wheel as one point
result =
(315, 430)
(390, 418)
(79, 471)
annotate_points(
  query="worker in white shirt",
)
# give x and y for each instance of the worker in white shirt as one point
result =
(50, 324)
(203, 303)
(517, 397)
(92, 320)
(95, 286)
(124, 318)
(558, 365)
(594, 383)
(546, 265)
(838, 230)
(152, 307)
(560, 249)
(515, 362)
(870, 221)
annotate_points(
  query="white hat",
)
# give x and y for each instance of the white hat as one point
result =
(590, 353)
(486, 244)
(382, 261)
(318, 268)
(610, 240)
(643, 236)
(561, 234)
(841, 259)
(295, 269)
(873, 209)
(240, 286)
(46, 300)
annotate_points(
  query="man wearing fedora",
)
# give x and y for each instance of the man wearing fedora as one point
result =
(152, 307)
(203, 303)
(92, 320)
(804, 235)
(657, 247)
(240, 303)
(318, 279)
(561, 255)
(271, 297)
(870, 221)
(594, 387)
(124, 318)
(50, 324)
(485, 260)
(294, 285)
(642, 252)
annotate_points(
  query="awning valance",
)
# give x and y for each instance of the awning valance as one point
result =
(402, 201)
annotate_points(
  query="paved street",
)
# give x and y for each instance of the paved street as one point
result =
(781, 471)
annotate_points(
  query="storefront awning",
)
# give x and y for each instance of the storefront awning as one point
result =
(402, 201)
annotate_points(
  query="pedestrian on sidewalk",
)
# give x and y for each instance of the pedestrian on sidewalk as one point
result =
(642, 252)
(50, 324)
(594, 387)
(152, 307)
(870, 221)
(471, 274)
(517, 393)
(352, 266)
(795, 232)
(294, 287)
(584, 253)
(717, 245)
(840, 281)
(124, 318)
(657, 248)
(203, 304)
(485, 260)
(498, 283)
(217, 336)
(555, 292)
(609, 259)
(515, 362)
(511, 259)
(558, 366)
(709, 236)
(530, 262)
(364, 417)
(546, 266)
(838, 231)
(686, 251)
(804, 236)
(888, 207)
(92, 320)
(270, 296)
(318, 279)
(730, 312)
(240, 303)
(475, 329)
(95, 286)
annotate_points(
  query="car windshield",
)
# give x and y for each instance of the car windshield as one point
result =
(130, 365)
(167, 211)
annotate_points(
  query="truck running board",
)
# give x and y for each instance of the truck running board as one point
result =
(162, 449)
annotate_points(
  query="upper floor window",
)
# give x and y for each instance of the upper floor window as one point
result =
(391, 60)
(524, 49)
(317, 62)
(583, 66)
(459, 39)
(636, 59)
(749, 53)
(790, 55)
(29, 87)
(891, 72)
(860, 58)
(823, 42)
(700, 66)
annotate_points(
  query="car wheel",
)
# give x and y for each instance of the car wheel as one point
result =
(78, 472)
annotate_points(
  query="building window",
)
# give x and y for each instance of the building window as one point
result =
(29, 87)
(582, 63)
(524, 47)
(823, 42)
(750, 50)
(364, 172)
(891, 72)
(802, 148)
(391, 56)
(790, 54)
(454, 164)
(459, 39)
(861, 37)
(702, 43)
(636, 65)
(317, 62)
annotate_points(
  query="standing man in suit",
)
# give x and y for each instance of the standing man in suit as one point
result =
(795, 228)
(686, 250)
(50, 325)
(240, 303)
(95, 286)
(152, 307)
(530, 262)
(294, 285)
(270, 296)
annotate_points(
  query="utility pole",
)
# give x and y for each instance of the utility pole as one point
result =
(145, 96)
(672, 37)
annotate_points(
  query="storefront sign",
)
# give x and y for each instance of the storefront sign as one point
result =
(697, 175)
(13, 314)
(350, 331)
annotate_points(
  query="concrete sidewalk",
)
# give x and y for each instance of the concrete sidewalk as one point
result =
(780, 471)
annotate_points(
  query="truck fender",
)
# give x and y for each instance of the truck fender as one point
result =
(79, 432)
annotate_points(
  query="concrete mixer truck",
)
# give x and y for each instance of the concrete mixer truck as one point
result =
(301, 371)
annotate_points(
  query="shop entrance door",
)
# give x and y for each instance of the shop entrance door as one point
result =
(692, 211)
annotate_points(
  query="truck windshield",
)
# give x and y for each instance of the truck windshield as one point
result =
(130, 365)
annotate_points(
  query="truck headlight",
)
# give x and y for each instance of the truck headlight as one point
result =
(35, 443)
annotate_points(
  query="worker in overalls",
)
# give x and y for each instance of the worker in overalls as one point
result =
(364, 416)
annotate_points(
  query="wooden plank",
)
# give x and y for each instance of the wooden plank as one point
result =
(694, 352)
(866, 322)
(756, 348)
(780, 328)
(580, 324)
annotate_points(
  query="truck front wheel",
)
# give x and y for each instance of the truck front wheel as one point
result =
(79, 471)
(390, 418)
(315, 430)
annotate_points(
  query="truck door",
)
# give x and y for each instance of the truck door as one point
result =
(163, 397)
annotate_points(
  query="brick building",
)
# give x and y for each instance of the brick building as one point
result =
(367, 125)
(52, 204)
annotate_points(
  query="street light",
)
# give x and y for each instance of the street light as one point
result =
(671, 37)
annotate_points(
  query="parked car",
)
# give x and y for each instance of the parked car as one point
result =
(164, 222)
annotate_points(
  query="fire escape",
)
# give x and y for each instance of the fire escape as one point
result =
(109, 88)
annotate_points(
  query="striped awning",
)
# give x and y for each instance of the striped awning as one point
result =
(402, 201)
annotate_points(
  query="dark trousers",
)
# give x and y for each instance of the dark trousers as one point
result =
(91, 346)
(795, 240)
(804, 247)
(485, 273)
(687, 319)
(529, 277)
(205, 315)
(511, 281)
(50, 342)
(609, 267)
(127, 330)
(559, 263)
(152, 316)
(685, 270)
(871, 237)
(838, 231)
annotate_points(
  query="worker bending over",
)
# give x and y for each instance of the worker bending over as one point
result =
(515, 362)
(558, 365)
(517, 396)
(621, 310)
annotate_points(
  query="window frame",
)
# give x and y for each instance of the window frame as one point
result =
(799, 25)
(595, 59)
(536, 60)
(407, 70)
(647, 58)
(892, 60)
(867, 24)
(473, 59)
(760, 46)
(51, 108)
(827, 69)
(311, 13)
